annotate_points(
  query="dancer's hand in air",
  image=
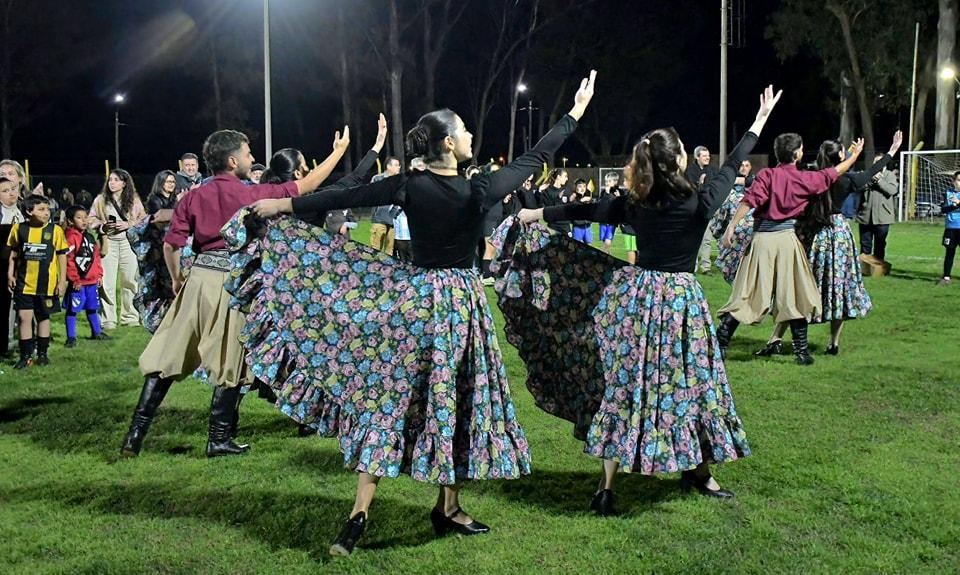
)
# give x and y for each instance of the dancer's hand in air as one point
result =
(897, 140)
(341, 140)
(583, 96)
(381, 133)
(527, 216)
(768, 100)
(851, 158)
(270, 208)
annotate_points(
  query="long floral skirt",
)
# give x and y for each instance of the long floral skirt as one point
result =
(401, 363)
(833, 261)
(728, 259)
(659, 390)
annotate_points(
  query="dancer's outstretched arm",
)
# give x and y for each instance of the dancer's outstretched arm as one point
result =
(861, 179)
(319, 174)
(509, 178)
(355, 178)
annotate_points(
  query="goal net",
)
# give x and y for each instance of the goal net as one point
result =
(924, 179)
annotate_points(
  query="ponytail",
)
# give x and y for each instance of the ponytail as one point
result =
(653, 173)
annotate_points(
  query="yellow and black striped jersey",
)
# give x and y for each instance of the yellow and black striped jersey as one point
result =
(36, 250)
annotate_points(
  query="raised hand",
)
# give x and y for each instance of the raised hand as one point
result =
(381, 133)
(341, 140)
(767, 101)
(897, 140)
(583, 96)
(856, 147)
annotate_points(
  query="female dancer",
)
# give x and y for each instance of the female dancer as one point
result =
(666, 404)
(116, 209)
(414, 360)
(832, 251)
(728, 259)
(155, 289)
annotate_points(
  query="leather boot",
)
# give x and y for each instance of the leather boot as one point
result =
(235, 421)
(223, 406)
(801, 350)
(154, 390)
(725, 330)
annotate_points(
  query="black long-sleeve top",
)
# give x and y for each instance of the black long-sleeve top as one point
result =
(668, 238)
(157, 202)
(849, 183)
(351, 180)
(445, 213)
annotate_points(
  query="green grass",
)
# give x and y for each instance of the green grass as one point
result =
(854, 469)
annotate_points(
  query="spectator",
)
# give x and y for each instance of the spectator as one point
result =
(84, 274)
(553, 193)
(256, 172)
(36, 276)
(877, 211)
(951, 232)
(66, 197)
(189, 175)
(582, 229)
(700, 172)
(116, 209)
(84, 199)
(12, 182)
(381, 227)
(401, 242)
(608, 193)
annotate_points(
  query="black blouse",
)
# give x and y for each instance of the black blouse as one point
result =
(668, 238)
(849, 183)
(445, 213)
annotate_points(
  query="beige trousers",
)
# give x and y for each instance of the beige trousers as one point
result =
(120, 267)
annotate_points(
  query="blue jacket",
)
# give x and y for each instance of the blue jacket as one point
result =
(951, 210)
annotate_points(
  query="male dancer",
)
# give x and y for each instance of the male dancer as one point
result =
(200, 328)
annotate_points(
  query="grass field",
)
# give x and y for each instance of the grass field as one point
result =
(854, 469)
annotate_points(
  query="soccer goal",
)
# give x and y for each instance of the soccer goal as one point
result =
(924, 179)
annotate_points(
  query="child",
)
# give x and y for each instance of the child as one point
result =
(38, 260)
(582, 229)
(85, 274)
(951, 232)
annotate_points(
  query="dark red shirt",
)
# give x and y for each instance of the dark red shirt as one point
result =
(782, 193)
(83, 259)
(203, 211)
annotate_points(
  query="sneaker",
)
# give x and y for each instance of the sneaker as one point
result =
(71, 342)
(102, 336)
(42, 359)
(944, 282)
(24, 363)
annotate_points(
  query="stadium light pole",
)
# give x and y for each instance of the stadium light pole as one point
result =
(267, 110)
(118, 100)
(950, 73)
(524, 89)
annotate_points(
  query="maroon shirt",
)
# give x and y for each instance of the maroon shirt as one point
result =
(782, 193)
(203, 211)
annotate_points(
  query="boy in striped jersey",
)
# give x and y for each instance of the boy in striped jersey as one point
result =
(36, 276)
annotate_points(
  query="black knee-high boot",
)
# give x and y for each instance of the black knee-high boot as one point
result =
(154, 390)
(223, 406)
(725, 330)
(801, 350)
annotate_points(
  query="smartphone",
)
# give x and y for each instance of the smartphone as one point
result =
(112, 219)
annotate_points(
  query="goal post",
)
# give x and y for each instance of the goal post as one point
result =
(925, 176)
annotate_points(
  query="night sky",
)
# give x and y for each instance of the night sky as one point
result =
(149, 51)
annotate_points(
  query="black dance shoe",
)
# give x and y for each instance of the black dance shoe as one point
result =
(690, 480)
(345, 542)
(832, 350)
(772, 348)
(603, 503)
(42, 359)
(443, 524)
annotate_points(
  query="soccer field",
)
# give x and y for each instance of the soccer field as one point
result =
(854, 468)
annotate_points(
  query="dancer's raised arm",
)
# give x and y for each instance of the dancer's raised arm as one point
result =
(319, 174)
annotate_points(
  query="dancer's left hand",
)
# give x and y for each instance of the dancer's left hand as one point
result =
(527, 216)
(269, 208)
(381, 133)
(727, 240)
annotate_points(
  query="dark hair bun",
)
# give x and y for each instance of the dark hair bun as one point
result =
(418, 141)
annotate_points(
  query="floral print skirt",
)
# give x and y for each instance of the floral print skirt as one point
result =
(728, 259)
(400, 363)
(833, 261)
(154, 287)
(659, 392)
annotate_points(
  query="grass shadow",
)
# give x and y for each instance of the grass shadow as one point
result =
(282, 520)
(26, 407)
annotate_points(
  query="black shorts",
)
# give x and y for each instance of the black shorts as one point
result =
(951, 236)
(43, 306)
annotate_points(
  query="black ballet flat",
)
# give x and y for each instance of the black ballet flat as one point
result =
(832, 350)
(443, 524)
(690, 480)
(603, 503)
(345, 542)
(772, 348)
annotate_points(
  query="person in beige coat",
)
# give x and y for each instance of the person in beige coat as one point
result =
(877, 211)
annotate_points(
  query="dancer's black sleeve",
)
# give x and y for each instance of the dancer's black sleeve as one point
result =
(716, 189)
(355, 178)
(609, 212)
(384, 192)
(509, 178)
(861, 179)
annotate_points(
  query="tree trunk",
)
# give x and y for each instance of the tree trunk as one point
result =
(847, 124)
(345, 100)
(946, 91)
(396, 84)
(859, 86)
(924, 85)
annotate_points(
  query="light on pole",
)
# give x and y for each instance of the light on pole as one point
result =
(950, 73)
(524, 89)
(118, 100)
